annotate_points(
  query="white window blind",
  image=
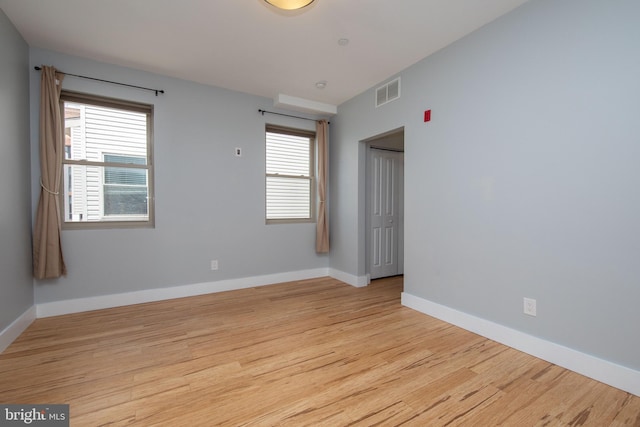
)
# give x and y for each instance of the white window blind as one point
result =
(289, 175)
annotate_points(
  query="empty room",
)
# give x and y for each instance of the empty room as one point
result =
(322, 213)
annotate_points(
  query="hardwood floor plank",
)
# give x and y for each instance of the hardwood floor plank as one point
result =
(308, 353)
(629, 413)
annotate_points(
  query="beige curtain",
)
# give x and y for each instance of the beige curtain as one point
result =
(322, 227)
(48, 262)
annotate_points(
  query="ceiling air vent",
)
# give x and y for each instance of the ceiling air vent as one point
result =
(388, 92)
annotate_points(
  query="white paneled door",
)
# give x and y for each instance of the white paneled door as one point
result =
(384, 220)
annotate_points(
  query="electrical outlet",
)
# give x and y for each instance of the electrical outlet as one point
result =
(214, 264)
(530, 306)
(238, 152)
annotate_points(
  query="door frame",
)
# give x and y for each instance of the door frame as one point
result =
(381, 142)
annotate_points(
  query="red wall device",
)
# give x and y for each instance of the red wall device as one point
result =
(427, 116)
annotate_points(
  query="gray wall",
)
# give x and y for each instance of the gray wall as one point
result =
(525, 182)
(16, 285)
(209, 203)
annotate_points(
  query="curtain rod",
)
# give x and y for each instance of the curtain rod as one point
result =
(157, 91)
(289, 115)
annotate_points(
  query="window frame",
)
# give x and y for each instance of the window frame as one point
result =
(105, 222)
(270, 128)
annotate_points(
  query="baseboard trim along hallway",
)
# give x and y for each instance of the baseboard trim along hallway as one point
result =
(598, 369)
(78, 305)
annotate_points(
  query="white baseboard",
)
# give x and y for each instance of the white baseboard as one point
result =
(57, 308)
(13, 331)
(601, 370)
(357, 281)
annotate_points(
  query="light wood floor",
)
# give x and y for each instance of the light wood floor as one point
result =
(315, 352)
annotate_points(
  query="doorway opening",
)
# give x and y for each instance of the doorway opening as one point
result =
(384, 211)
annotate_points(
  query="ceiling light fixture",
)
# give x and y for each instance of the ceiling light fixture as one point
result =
(321, 84)
(289, 4)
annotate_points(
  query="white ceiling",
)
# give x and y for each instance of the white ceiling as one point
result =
(247, 45)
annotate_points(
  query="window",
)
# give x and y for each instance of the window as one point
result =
(108, 168)
(289, 175)
(125, 189)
